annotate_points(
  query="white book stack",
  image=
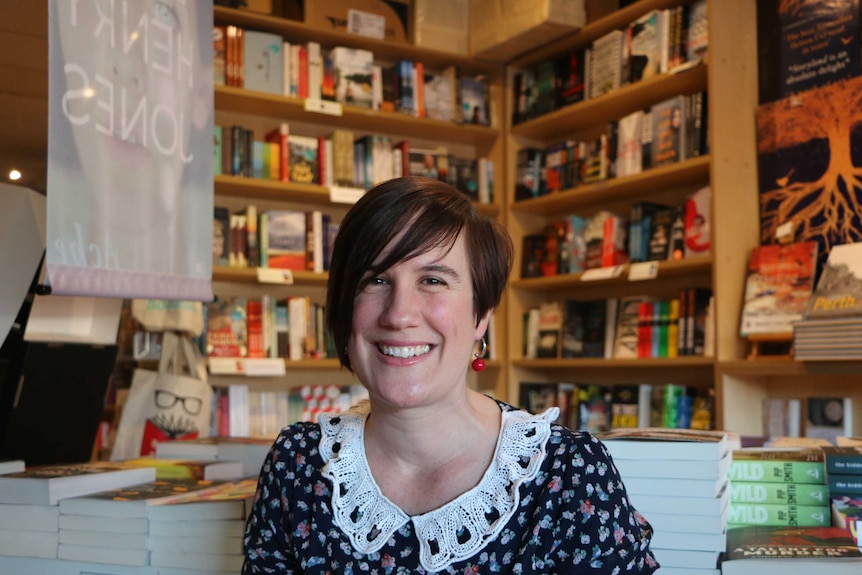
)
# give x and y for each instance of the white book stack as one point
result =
(251, 451)
(29, 502)
(677, 478)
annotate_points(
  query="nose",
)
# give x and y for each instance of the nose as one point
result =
(401, 308)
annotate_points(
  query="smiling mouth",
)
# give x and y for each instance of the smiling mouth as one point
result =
(404, 352)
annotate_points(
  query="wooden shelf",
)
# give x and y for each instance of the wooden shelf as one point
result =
(259, 189)
(617, 20)
(295, 31)
(562, 123)
(638, 364)
(695, 266)
(249, 275)
(788, 367)
(625, 189)
(250, 102)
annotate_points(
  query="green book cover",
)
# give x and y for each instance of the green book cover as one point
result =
(779, 514)
(785, 493)
(764, 465)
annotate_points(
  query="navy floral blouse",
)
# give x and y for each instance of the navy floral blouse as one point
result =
(551, 502)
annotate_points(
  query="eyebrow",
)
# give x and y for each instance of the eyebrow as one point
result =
(440, 268)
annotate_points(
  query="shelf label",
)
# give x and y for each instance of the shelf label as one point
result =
(264, 366)
(366, 24)
(226, 365)
(643, 271)
(323, 107)
(274, 276)
(607, 273)
(341, 195)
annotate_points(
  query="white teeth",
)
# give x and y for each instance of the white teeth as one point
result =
(404, 352)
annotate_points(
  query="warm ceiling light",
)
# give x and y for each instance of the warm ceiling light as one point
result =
(14, 175)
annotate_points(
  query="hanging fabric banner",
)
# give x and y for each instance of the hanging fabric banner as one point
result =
(130, 167)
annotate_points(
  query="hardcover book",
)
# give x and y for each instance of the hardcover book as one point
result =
(778, 466)
(226, 334)
(353, 70)
(303, 159)
(668, 135)
(474, 101)
(778, 287)
(284, 239)
(643, 46)
(746, 513)
(263, 64)
(784, 493)
(663, 443)
(764, 550)
(48, 484)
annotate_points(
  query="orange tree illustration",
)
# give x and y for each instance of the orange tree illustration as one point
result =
(806, 160)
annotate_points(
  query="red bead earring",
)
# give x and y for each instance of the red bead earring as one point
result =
(479, 363)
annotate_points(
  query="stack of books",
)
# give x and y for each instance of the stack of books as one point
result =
(844, 478)
(251, 451)
(778, 487)
(829, 329)
(29, 502)
(677, 478)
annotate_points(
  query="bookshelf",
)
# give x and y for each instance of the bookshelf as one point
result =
(262, 111)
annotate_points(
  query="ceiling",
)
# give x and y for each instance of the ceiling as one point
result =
(24, 90)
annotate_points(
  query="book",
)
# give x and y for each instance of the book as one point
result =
(765, 550)
(782, 493)
(838, 292)
(29, 543)
(11, 466)
(48, 484)
(668, 135)
(474, 100)
(782, 417)
(283, 239)
(24, 517)
(662, 443)
(778, 287)
(134, 500)
(303, 152)
(249, 450)
(847, 514)
(224, 501)
(778, 466)
(226, 327)
(697, 31)
(746, 513)
(843, 459)
(844, 484)
(353, 70)
(605, 67)
(263, 62)
(189, 468)
(643, 46)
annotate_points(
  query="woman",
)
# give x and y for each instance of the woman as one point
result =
(429, 476)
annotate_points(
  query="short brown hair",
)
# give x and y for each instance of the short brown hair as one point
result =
(436, 215)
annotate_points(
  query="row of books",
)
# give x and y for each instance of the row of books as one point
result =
(630, 327)
(670, 131)
(284, 239)
(599, 408)
(342, 159)
(661, 41)
(264, 327)
(651, 232)
(266, 62)
(825, 418)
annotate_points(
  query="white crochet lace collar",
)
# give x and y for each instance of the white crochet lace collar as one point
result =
(453, 532)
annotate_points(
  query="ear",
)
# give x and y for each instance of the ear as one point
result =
(482, 326)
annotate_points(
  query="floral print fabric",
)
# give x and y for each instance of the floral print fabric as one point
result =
(573, 517)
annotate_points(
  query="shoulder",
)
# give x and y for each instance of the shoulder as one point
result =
(300, 437)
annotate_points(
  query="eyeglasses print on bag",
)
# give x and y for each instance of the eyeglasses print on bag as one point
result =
(167, 399)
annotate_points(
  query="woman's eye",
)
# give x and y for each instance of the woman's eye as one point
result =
(433, 281)
(165, 14)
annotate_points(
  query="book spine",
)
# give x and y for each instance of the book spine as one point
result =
(779, 514)
(777, 471)
(844, 484)
(784, 493)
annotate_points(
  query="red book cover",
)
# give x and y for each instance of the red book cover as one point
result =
(303, 72)
(254, 322)
(645, 329)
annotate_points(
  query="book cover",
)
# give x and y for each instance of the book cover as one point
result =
(838, 292)
(668, 135)
(627, 328)
(285, 239)
(550, 329)
(760, 549)
(219, 55)
(474, 100)
(353, 70)
(847, 514)
(440, 96)
(303, 159)
(778, 287)
(803, 45)
(843, 459)
(778, 466)
(802, 170)
(643, 46)
(698, 217)
(697, 31)
(263, 64)
(226, 327)
(629, 149)
(641, 219)
(606, 64)
(571, 76)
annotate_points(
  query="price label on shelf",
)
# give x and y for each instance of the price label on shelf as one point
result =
(607, 273)
(341, 195)
(323, 107)
(366, 24)
(274, 276)
(261, 367)
(643, 271)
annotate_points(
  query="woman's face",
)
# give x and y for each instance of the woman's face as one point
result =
(414, 329)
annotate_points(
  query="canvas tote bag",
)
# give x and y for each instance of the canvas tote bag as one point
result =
(171, 403)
